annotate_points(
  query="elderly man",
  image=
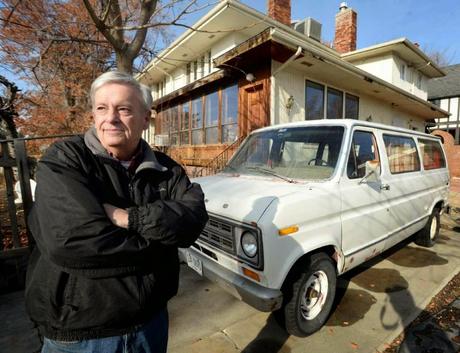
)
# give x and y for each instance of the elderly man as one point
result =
(108, 218)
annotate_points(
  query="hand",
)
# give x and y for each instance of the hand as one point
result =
(118, 216)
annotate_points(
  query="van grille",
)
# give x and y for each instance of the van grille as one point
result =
(220, 235)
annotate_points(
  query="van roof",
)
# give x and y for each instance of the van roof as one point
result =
(348, 123)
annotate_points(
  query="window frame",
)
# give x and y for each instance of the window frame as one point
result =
(375, 144)
(423, 141)
(410, 138)
(325, 91)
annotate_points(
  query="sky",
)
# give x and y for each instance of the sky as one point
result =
(433, 24)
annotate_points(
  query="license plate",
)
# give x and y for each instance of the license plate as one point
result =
(194, 263)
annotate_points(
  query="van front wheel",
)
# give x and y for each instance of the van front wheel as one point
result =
(427, 236)
(309, 297)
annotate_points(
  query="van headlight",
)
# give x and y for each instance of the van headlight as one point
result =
(249, 244)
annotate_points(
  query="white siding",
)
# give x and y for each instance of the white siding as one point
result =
(409, 83)
(388, 68)
(381, 112)
(382, 67)
(286, 84)
(291, 82)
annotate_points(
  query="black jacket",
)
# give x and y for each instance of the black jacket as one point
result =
(88, 278)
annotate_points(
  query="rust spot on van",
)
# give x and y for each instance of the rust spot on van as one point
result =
(351, 260)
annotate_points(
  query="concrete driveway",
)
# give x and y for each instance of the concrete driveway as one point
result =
(374, 304)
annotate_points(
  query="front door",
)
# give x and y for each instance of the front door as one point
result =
(256, 108)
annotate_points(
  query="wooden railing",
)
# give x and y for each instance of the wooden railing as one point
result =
(220, 161)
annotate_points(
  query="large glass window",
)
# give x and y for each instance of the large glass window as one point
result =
(212, 118)
(351, 106)
(334, 104)
(363, 148)
(230, 114)
(197, 121)
(185, 124)
(314, 106)
(174, 126)
(432, 154)
(402, 154)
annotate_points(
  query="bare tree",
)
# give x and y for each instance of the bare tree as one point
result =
(125, 24)
(439, 57)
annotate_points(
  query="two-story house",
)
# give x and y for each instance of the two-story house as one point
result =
(240, 69)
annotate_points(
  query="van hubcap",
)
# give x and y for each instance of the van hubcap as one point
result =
(314, 295)
(434, 226)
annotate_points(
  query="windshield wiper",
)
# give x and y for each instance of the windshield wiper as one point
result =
(271, 172)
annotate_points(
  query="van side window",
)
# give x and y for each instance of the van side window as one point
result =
(363, 149)
(402, 154)
(431, 151)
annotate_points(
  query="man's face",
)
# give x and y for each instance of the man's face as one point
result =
(119, 118)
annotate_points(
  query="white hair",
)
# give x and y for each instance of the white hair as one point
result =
(123, 79)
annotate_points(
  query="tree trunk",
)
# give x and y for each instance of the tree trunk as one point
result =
(124, 63)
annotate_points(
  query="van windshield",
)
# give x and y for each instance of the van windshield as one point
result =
(308, 153)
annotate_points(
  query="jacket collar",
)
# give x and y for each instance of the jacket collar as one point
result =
(148, 161)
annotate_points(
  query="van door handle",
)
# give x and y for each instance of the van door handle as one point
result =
(384, 187)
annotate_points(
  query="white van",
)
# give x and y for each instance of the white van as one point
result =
(301, 203)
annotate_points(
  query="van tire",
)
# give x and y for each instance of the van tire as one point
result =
(428, 235)
(303, 314)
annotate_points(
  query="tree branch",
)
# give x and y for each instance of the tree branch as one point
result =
(100, 25)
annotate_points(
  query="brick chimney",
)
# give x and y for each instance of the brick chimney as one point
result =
(280, 10)
(345, 29)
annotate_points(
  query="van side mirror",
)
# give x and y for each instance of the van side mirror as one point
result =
(372, 171)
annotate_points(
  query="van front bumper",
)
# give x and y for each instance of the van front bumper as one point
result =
(260, 297)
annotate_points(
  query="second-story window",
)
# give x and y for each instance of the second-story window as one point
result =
(418, 82)
(402, 71)
(188, 73)
(202, 64)
(195, 70)
(209, 63)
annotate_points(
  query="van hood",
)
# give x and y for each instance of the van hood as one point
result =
(240, 198)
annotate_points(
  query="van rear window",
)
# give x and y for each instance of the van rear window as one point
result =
(402, 154)
(431, 151)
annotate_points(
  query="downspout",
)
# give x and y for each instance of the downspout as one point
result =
(288, 61)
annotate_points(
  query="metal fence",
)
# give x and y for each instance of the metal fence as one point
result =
(16, 200)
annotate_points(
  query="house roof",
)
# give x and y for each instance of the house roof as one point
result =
(405, 49)
(328, 65)
(445, 87)
(227, 17)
